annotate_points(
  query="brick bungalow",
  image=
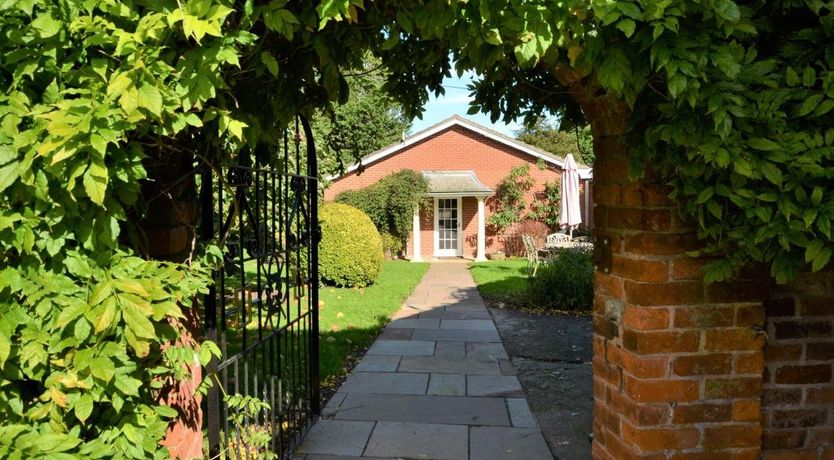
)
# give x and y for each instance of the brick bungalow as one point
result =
(463, 163)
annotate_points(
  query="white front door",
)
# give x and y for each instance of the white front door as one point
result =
(447, 227)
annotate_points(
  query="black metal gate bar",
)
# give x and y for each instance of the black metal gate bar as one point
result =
(263, 209)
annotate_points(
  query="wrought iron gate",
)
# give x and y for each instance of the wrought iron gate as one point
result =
(263, 308)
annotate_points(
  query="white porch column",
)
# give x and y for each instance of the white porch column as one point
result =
(416, 255)
(481, 255)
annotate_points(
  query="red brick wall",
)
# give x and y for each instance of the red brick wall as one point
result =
(454, 149)
(677, 363)
(798, 402)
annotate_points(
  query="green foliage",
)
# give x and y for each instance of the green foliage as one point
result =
(368, 121)
(351, 248)
(546, 205)
(566, 282)
(90, 92)
(560, 140)
(508, 204)
(392, 244)
(390, 202)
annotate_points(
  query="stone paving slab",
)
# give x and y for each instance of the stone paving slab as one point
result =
(416, 323)
(453, 410)
(378, 363)
(455, 314)
(396, 334)
(447, 385)
(385, 383)
(499, 443)
(401, 348)
(439, 365)
(493, 385)
(437, 384)
(520, 414)
(485, 351)
(450, 350)
(419, 440)
(471, 324)
(455, 335)
(337, 437)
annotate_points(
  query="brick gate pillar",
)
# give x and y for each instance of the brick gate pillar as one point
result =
(677, 363)
(168, 231)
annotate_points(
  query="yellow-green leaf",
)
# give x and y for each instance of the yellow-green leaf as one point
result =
(95, 181)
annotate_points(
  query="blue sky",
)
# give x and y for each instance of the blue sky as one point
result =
(456, 102)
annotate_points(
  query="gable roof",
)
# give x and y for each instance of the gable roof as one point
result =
(455, 183)
(455, 120)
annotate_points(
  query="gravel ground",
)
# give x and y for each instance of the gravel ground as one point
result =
(552, 357)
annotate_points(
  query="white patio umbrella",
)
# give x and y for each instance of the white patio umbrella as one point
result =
(570, 215)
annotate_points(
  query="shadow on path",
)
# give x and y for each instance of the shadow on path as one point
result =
(552, 357)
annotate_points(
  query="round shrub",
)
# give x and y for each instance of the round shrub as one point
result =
(514, 244)
(566, 282)
(351, 248)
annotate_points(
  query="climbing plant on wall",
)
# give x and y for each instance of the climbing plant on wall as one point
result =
(508, 203)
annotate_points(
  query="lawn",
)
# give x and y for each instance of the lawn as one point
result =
(350, 319)
(501, 280)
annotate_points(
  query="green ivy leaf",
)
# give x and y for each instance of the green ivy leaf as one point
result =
(95, 181)
(270, 62)
(46, 25)
(727, 10)
(84, 407)
(150, 98)
(627, 26)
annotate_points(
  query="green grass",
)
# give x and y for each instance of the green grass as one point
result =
(350, 319)
(501, 280)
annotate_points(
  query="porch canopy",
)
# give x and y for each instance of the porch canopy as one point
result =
(455, 184)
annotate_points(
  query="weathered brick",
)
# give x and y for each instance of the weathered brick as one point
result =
(783, 439)
(701, 413)
(704, 316)
(747, 411)
(608, 194)
(641, 366)
(749, 363)
(780, 307)
(655, 439)
(782, 352)
(736, 291)
(732, 339)
(642, 194)
(773, 397)
(640, 219)
(750, 315)
(805, 417)
(709, 364)
(817, 306)
(638, 413)
(661, 390)
(673, 293)
(660, 341)
(608, 285)
(686, 268)
(732, 388)
(646, 318)
(820, 395)
(802, 329)
(797, 375)
(820, 351)
(726, 436)
(661, 244)
(647, 270)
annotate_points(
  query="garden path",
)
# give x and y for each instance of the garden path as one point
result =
(436, 384)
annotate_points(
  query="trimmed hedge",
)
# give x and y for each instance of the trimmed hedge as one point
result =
(351, 248)
(566, 282)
